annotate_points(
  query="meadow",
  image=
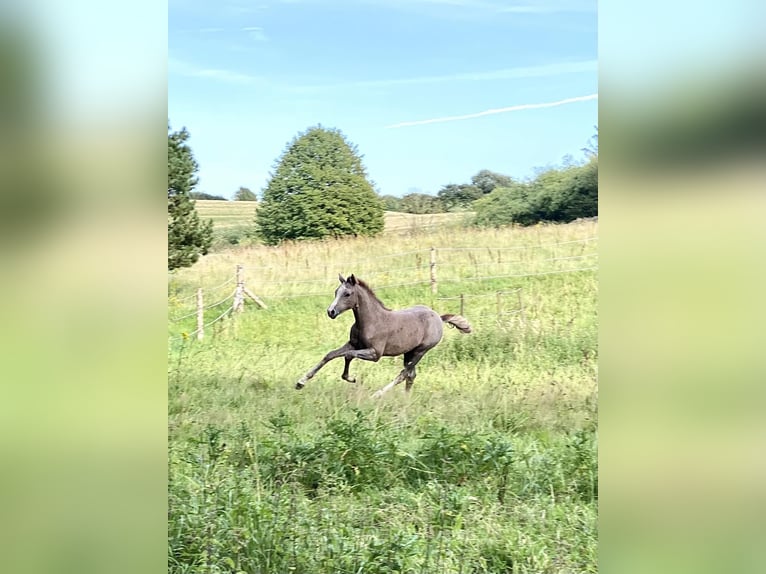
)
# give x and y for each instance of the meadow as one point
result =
(233, 221)
(488, 465)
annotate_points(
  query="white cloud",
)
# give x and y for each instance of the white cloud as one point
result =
(495, 111)
(549, 7)
(185, 69)
(502, 74)
(256, 33)
(498, 6)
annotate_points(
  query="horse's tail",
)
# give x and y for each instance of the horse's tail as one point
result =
(457, 321)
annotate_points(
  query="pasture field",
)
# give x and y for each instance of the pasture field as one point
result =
(488, 466)
(233, 221)
(226, 214)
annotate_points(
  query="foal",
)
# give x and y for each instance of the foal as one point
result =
(380, 332)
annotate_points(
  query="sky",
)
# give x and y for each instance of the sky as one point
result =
(430, 91)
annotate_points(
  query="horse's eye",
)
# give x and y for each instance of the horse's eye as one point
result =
(347, 294)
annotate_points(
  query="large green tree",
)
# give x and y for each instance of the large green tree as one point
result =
(188, 237)
(319, 188)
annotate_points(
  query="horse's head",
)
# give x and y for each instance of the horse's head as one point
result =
(345, 296)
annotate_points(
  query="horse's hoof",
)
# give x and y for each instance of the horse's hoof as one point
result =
(352, 381)
(299, 385)
(377, 395)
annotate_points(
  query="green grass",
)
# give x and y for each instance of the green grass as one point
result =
(489, 465)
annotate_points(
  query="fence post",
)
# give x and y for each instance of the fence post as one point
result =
(462, 306)
(239, 293)
(254, 297)
(499, 295)
(521, 305)
(200, 316)
(433, 270)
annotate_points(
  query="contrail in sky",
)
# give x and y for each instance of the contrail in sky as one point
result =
(495, 111)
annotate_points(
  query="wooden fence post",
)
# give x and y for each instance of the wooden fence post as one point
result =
(433, 271)
(462, 306)
(200, 316)
(499, 296)
(254, 297)
(239, 293)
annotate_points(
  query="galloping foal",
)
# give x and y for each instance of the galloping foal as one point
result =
(380, 332)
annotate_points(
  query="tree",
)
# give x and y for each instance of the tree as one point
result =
(206, 196)
(391, 202)
(486, 181)
(505, 206)
(319, 189)
(591, 148)
(421, 203)
(188, 237)
(458, 196)
(554, 195)
(244, 194)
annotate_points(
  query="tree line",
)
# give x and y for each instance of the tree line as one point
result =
(319, 188)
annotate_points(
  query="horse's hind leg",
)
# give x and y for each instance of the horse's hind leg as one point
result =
(410, 380)
(411, 361)
(399, 378)
(345, 376)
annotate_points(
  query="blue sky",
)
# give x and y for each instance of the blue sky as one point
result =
(431, 91)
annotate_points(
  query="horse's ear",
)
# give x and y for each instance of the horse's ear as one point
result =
(340, 278)
(351, 279)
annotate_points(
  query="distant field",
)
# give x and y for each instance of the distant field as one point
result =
(227, 214)
(230, 216)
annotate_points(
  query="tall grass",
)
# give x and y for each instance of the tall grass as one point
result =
(488, 466)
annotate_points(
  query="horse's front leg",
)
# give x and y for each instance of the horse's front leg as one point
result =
(345, 376)
(346, 351)
(341, 351)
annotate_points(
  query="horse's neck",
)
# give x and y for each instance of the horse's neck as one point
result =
(367, 309)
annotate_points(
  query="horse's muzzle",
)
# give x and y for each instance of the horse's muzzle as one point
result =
(332, 313)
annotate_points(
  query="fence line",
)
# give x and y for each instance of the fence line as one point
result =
(196, 311)
(481, 295)
(181, 318)
(498, 294)
(388, 256)
(538, 274)
(329, 280)
(427, 281)
(219, 302)
(423, 268)
(201, 329)
(407, 284)
(425, 250)
(490, 263)
(429, 264)
(194, 295)
(221, 316)
(519, 247)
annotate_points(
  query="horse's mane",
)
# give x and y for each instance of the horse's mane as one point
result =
(371, 292)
